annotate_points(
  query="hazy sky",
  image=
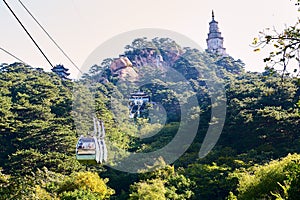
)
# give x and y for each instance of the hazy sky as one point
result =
(81, 26)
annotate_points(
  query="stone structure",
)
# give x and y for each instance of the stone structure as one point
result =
(215, 40)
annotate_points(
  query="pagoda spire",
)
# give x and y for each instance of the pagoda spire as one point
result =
(215, 40)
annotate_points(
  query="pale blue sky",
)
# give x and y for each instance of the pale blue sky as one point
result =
(81, 26)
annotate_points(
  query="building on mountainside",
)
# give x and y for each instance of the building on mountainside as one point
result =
(215, 40)
(61, 71)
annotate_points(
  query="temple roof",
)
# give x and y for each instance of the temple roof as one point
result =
(58, 67)
(61, 71)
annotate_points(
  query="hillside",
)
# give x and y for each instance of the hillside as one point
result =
(42, 116)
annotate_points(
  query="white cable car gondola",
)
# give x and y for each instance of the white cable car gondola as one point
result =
(87, 149)
(92, 149)
(137, 103)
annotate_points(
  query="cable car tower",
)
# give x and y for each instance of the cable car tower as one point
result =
(92, 148)
(137, 104)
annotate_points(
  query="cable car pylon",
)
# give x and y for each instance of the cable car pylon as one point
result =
(100, 131)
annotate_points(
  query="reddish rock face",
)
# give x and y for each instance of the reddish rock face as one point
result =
(122, 67)
(120, 63)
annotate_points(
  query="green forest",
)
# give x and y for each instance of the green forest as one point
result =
(256, 157)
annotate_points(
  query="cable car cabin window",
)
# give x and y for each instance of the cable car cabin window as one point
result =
(86, 146)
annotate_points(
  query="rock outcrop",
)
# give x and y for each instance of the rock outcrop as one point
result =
(122, 67)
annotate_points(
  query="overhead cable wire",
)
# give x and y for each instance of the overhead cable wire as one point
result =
(12, 55)
(51, 38)
(10, 9)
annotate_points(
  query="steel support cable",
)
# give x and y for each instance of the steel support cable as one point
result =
(27, 33)
(50, 37)
(12, 55)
